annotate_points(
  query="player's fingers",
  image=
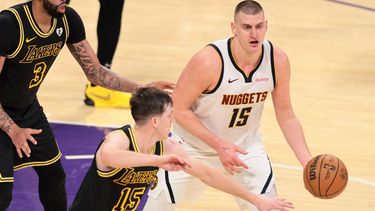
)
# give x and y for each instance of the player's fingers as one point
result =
(229, 169)
(240, 163)
(285, 204)
(240, 150)
(32, 139)
(19, 152)
(26, 149)
(35, 131)
(187, 164)
(169, 84)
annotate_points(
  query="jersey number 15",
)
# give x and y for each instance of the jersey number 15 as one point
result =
(239, 117)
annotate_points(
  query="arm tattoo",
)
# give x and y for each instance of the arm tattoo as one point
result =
(98, 74)
(5, 121)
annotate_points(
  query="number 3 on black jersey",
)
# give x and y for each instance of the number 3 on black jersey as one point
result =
(39, 70)
(241, 119)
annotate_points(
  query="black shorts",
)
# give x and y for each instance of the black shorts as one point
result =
(44, 153)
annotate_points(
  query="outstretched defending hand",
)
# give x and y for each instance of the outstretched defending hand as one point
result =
(162, 85)
(268, 204)
(172, 163)
(227, 153)
(19, 138)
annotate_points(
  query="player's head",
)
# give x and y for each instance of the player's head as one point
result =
(152, 106)
(55, 8)
(249, 25)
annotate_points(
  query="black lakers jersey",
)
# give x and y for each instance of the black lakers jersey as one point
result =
(118, 189)
(30, 59)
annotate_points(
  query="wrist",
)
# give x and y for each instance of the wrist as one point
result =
(157, 160)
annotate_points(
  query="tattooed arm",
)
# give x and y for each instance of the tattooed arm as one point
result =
(5, 121)
(97, 73)
(18, 135)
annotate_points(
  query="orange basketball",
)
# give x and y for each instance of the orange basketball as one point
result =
(325, 176)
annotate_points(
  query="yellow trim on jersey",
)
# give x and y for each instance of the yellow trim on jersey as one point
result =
(113, 171)
(134, 140)
(20, 42)
(66, 26)
(135, 143)
(108, 173)
(38, 163)
(161, 147)
(6, 179)
(35, 27)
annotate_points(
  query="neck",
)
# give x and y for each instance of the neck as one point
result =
(146, 138)
(41, 16)
(246, 60)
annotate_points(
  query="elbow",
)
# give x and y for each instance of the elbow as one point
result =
(179, 115)
(106, 156)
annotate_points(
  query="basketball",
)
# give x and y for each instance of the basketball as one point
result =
(325, 176)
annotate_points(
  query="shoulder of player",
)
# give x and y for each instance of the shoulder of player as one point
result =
(280, 57)
(116, 138)
(7, 19)
(70, 12)
(206, 61)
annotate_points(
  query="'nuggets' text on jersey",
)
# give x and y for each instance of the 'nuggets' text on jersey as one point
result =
(243, 99)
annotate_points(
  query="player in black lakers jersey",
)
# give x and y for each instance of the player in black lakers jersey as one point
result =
(127, 160)
(32, 35)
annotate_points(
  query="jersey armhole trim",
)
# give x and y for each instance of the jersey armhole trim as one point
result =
(222, 70)
(272, 66)
(66, 26)
(108, 173)
(20, 42)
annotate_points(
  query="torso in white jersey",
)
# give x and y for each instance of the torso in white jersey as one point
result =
(233, 109)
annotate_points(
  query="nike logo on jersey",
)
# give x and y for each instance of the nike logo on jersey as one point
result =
(231, 81)
(30, 39)
(106, 97)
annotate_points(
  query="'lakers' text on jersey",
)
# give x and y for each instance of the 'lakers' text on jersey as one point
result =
(233, 109)
(119, 189)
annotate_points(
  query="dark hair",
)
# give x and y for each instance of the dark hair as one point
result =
(147, 102)
(248, 7)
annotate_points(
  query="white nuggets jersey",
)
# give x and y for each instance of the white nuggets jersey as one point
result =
(233, 109)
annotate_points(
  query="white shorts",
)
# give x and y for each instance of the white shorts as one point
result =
(182, 187)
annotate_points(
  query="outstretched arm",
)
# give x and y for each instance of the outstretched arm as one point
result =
(102, 76)
(218, 180)
(97, 73)
(285, 115)
(114, 153)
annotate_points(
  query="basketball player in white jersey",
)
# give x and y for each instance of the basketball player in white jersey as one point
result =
(218, 104)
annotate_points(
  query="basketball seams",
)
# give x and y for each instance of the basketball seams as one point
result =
(320, 178)
(334, 178)
(320, 172)
(338, 191)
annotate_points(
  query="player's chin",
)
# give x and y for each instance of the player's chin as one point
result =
(61, 9)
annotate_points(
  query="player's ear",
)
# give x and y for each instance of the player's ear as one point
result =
(233, 27)
(154, 121)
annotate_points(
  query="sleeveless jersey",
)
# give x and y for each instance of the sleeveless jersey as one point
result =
(25, 68)
(120, 188)
(233, 109)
